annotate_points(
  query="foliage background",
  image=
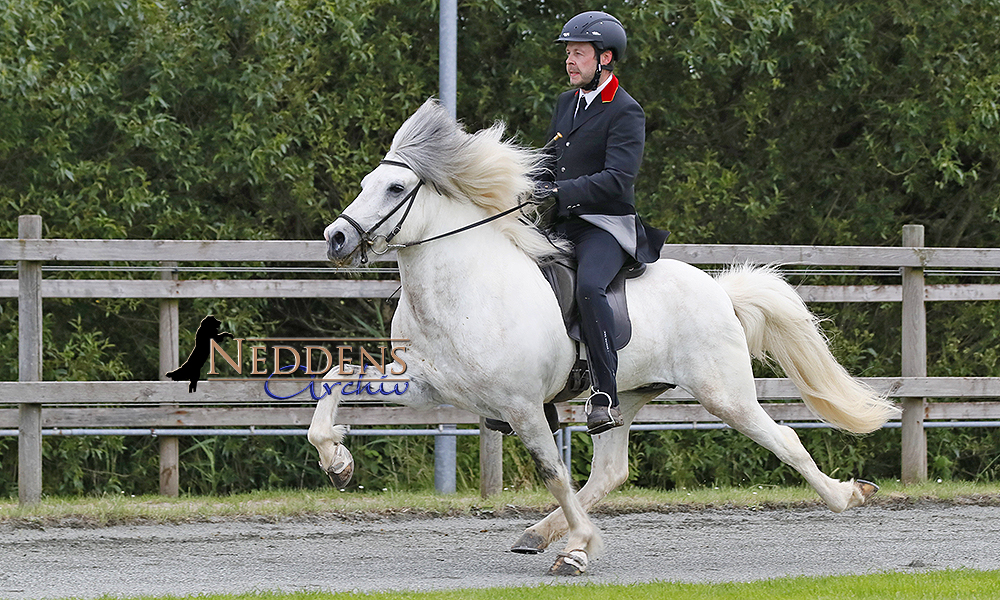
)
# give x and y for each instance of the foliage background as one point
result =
(768, 121)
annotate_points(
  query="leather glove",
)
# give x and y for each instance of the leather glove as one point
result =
(545, 190)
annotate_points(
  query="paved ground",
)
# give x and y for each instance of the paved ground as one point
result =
(420, 554)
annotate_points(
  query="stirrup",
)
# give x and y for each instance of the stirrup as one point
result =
(602, 417)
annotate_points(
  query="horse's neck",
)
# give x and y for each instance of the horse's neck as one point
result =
(469, 259)
(470, 272)
(471, 304)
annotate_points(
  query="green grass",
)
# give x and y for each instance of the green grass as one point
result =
(940, 585)
(114, 509)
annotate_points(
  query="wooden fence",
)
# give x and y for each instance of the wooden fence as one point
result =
(158, 404)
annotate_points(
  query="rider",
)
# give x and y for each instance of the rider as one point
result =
(598, 133)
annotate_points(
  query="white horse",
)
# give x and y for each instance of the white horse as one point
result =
(486, 334)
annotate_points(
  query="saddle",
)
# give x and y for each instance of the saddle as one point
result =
(561, 275)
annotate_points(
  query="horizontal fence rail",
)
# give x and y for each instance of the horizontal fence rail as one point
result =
(250, 391)
(47, 250)
(207, 288)
(167, 404)
(313, 288)
(227, 405)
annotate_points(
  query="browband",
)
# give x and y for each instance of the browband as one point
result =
(394, 163)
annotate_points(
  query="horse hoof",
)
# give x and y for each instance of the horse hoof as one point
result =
(867, 488)
(529, 543)
(342, 468)
(569, 564)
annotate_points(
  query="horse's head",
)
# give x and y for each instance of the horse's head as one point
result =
(370, 221)
(479, 175)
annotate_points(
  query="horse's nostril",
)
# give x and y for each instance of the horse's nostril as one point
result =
(339, 238)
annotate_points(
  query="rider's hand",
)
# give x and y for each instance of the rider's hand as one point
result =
(545, 190)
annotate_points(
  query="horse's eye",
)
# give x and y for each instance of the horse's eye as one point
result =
(396, 188)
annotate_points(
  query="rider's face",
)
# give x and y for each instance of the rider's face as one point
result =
(581, 63)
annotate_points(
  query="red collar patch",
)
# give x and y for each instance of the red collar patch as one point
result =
(607, 94)
(609, 91)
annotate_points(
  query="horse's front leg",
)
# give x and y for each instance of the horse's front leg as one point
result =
(328, 437)
(334, 458)
(584, 540)
(608, 470)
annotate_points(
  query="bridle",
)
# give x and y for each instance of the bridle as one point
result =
(380, 244)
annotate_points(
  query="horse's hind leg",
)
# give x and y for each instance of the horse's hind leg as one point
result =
(608, 470)
(733, 399)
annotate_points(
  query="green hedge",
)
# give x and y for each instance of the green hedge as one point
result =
(768, 121)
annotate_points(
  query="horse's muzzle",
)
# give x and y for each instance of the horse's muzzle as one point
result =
(341, 241)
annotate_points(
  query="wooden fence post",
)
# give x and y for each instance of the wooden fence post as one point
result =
(914, 363)
(490, 460)
(29, 365)
(169, 360)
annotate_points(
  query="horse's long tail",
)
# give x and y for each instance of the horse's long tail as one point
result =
(778, 325)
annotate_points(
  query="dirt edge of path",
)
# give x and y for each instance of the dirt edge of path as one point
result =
(892, 501)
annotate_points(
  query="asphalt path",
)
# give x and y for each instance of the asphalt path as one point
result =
(395, 553)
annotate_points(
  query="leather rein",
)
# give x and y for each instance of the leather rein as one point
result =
(380, 244)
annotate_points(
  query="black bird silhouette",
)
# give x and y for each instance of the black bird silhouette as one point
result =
(191, 369)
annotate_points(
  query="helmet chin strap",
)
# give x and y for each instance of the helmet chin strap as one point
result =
(597, 77)
(595, 81)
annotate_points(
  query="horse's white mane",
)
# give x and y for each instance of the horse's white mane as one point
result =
(483, 167)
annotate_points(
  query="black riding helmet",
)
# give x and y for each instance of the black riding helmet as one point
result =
(603, 31)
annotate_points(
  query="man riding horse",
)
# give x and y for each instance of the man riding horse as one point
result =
(598, 133)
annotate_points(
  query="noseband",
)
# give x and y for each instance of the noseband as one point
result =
(380, 244)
